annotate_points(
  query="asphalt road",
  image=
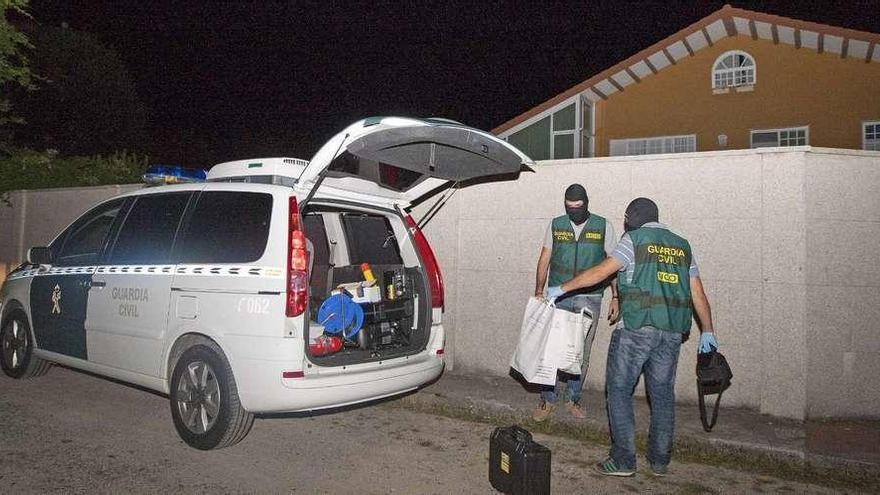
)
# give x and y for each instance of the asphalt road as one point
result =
(75, 433)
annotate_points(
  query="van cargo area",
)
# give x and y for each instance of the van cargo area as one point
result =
(363, 262)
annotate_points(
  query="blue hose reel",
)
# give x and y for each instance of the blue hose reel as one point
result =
(340, 314)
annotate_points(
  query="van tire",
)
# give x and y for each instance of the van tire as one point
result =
(17, 349)
(206, 411)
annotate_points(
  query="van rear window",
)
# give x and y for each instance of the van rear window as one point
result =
(384, 174)
(226, 227)
(370, 240)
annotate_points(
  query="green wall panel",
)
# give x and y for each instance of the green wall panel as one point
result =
(534, 140)
(563, 120)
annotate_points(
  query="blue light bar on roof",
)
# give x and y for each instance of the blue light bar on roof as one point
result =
(173, 174)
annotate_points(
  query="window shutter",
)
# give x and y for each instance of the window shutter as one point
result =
(618, 147)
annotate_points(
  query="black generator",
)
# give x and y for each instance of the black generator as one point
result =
(386, 323)
(518, 464)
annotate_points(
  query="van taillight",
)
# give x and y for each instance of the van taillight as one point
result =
(435, 278)
(297, 263)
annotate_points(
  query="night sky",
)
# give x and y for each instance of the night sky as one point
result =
(234, 80)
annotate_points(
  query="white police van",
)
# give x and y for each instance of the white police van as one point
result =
(207, 292)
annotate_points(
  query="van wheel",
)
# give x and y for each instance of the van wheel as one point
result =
(17, 349)
(204, 400)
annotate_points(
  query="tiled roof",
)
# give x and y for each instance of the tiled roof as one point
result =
(727, 21)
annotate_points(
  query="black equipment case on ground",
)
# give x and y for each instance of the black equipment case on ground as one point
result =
(518, 464)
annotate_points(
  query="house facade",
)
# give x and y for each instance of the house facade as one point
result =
(736, 79)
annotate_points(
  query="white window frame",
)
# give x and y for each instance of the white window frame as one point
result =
(572, 132)
(666, 144)
(576, 100)
(876, 139)
(591, 152)
(715, 70)
(778, 131)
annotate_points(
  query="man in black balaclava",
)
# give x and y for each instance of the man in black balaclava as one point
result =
(577, 204)
(639, 212)
(660, 290)
(574, 242)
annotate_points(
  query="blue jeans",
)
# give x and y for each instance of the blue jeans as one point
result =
(574, 383)
(656, 353)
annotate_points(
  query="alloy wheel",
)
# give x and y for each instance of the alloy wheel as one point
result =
(198, 397)
(14, 345)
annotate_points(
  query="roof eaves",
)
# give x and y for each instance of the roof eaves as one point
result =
(726, 15)
(643, 54)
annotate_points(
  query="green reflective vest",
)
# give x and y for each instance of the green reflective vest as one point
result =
(571, 256)
(659, 294)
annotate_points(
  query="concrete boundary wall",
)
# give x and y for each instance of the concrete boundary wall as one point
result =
(34, 217)
(785, 239)
(782, 237)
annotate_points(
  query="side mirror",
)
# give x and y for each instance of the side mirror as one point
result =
(39, 256)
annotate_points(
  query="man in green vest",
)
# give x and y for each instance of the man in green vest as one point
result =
(660, 289)
(574, 242)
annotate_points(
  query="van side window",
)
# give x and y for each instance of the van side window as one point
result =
(84, 241)
(147, 235)
(226, 227)
(370, 239)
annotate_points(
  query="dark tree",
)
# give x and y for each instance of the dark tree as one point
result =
(85, 101)
(14, 71)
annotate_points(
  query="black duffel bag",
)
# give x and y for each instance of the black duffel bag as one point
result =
(713, 377)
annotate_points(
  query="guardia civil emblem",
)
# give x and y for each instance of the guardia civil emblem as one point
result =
(56, 300)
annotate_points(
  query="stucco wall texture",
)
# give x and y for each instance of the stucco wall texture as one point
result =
(785, 240)
(785, 237)
(793, 87)
(35, 217)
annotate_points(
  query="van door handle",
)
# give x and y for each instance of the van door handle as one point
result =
(98, 283)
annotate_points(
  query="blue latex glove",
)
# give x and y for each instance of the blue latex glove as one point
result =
(707, 342)
(554, 292)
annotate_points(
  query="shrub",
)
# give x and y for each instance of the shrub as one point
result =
(28, 169)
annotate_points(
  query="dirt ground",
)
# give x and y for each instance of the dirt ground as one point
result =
(75, 433)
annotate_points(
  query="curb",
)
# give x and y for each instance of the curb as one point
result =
(784, 463)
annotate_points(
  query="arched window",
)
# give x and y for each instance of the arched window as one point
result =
(733, 68)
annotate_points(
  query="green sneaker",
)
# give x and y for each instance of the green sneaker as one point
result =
(609, 468)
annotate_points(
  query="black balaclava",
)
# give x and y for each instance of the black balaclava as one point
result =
(579, 215)
(639, 212)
